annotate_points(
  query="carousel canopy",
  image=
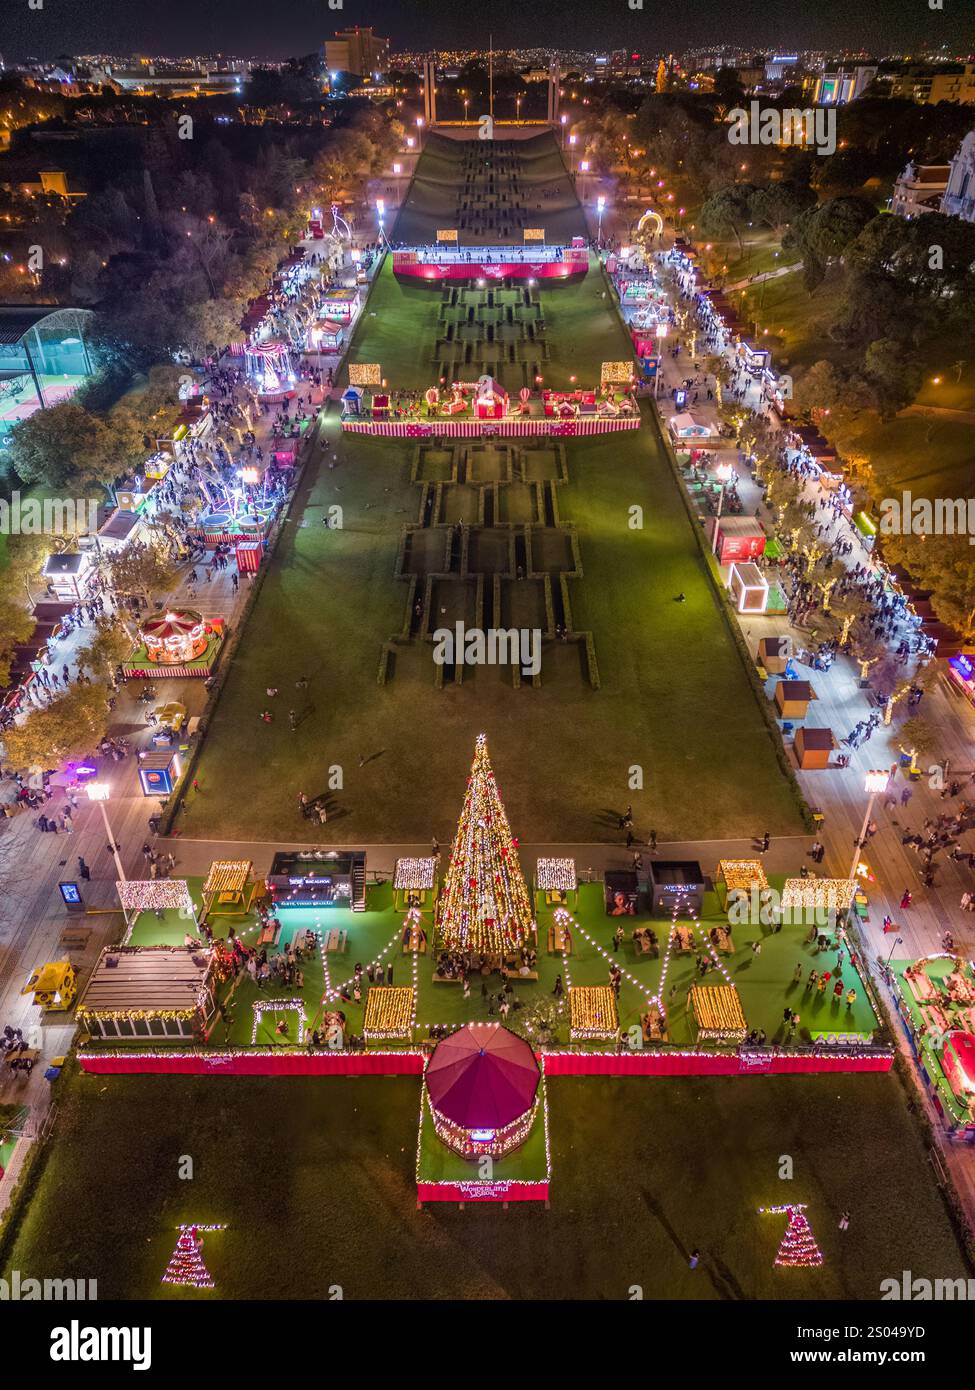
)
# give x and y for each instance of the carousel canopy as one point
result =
(178, 622)
(482, 1077)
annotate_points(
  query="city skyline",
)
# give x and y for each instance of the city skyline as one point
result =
(183, 28)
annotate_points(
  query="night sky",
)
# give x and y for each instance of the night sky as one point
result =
(259, 28)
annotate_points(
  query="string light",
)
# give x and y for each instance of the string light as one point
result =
(272, 1006)
(798, 1248)
(484, 906)
(187, 1268)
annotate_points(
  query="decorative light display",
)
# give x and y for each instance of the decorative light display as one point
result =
(486, 1186)
(565, 919)
(742, 875)
(365, 374)
(484, 905)
(833, 894)
(275, 1006)
(228, 876)
(186, 1267)
(616, 372)
(592, 1012)
(798, 1248)
(718, 1011)
(556, 875)
(447, 234)
(414, 874)
(533, 234)
(390, 1011)
(155, 895)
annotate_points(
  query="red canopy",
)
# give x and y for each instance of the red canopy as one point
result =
(482, 1077)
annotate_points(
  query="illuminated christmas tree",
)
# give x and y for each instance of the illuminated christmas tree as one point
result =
(186, 1264)
(798, 1246)
(484, 906)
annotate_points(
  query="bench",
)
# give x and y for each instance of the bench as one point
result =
(517, 975)
(269, 934)
(72, 937)
(336, 939)
(447, 980)
(559, 941)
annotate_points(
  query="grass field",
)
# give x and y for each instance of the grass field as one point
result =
(674, 698)
(315, 1181)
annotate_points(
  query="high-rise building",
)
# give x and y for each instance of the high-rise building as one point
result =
(359, 51)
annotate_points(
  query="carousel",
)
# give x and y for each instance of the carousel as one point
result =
(269, 362)
(482, 1085)
(174, 637)
(178, 642)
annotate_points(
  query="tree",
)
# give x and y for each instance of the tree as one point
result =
(69, 726)
(141, 570)
(109, 645)
(894, 378)
(16, 626)
(484, 906)
(726, 212)
(917, 735)
(63, 447)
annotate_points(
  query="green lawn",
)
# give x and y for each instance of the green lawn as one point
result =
(316, 1183)
(674, 698)
(401, 322)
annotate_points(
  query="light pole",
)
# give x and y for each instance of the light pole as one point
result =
(661, 335)
(875, 781)
(419, 133)
(723, 473)
(600, 209)
(898, 941)
(584, 170)
(99, 791)
(563, 121)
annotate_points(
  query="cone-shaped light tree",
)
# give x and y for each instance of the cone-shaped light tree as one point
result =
(484, 906)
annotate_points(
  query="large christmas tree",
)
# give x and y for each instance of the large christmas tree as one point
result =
(484, 906)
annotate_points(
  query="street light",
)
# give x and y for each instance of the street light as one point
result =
(100, 792)
(723, 474)
(875, 781)
(898, 941)
(600, 209)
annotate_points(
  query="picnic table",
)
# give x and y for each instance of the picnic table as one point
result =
(559, 939)
(336, 939)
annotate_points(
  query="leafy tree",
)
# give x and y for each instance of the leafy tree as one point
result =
(727, 212)
(893, 376)
(63, 447)
(109, 645)
(68, 727)
(141, 571)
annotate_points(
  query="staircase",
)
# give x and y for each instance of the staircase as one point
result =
(359, 883)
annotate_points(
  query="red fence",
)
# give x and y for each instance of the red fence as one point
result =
(276, 1062)
(709, 1063)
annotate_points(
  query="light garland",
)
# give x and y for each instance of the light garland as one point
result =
(390, 1011)
(228, 876)
(718, 1011)
(414, 874)
(592, 1012)
(186, 1268)
(485, 1186)
(273, 1006)
(798, 1249)
(484, 906)
(154, 895)
(556, 875)
(742, 875)
(833, 894)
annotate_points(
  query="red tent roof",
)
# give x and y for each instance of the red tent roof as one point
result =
(482, 1077)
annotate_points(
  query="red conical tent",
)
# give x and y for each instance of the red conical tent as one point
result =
(482, 1077)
